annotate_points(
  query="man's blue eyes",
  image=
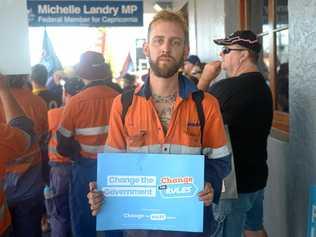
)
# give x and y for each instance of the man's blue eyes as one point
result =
(161, 41)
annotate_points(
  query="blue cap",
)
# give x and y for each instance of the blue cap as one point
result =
(193, 59)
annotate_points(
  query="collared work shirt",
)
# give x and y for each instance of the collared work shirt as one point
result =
(85, 120)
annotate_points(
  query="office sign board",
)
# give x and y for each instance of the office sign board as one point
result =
(85, 13)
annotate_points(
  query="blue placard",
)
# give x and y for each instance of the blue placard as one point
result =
(150, 191)
(311, 226)
(85, 13)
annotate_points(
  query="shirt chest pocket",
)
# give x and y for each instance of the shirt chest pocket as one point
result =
(193, 136)
(135, 139)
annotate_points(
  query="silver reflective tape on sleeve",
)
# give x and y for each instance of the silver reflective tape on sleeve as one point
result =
(93, 149)
(215, 153)
(92, 131)
(65, 132)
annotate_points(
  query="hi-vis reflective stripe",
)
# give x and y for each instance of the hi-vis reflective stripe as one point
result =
(53, 150)
(92, 131)
(212, 153)
(160, 148)
(92, 149)
(65, 132)
(166, 148)
(215, 153)
(53, 136)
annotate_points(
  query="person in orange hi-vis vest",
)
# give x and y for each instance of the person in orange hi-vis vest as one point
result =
(16, 137)
(60, 173)
(82, 134)
(23, 181)
(163, 118)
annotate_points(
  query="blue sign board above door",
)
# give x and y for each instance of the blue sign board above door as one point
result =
(85, 13)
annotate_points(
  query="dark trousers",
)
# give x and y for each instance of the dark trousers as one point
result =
(58, 206)
(83, 224)
(26, 217)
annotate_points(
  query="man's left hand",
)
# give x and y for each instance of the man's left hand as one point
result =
(207, 194)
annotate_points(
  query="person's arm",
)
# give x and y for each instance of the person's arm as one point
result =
(10, 106)
(14, 114)
(66, 144)
(13, 140)
(210, 72)
(217, 161)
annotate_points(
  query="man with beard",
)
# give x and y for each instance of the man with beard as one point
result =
(160, 118)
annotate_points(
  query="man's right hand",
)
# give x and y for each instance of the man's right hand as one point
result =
(210, 72)
(95, 198)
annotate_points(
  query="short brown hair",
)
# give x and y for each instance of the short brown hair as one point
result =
(39, 74)
(170, 16)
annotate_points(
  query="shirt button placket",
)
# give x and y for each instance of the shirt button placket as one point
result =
(166, 148)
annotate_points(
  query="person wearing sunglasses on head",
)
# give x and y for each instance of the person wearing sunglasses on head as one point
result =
(246, 104)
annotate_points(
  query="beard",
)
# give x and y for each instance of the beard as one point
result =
(167, 69)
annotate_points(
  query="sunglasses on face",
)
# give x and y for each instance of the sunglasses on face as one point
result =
(226, 50)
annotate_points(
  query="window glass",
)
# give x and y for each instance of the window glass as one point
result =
(282, 75)
(282, 16)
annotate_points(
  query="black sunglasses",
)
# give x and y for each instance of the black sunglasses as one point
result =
(226, 50)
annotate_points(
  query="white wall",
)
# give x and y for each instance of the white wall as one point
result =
(302, 94)
(275, 202)
(209, 20)
(207, 23)
(14, 57)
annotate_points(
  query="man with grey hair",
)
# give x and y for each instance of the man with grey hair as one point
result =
(246, 104)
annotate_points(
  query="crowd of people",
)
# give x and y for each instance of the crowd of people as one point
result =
(53, 133)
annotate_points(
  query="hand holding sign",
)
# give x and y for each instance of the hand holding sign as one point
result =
(95, 198)
(207, 194)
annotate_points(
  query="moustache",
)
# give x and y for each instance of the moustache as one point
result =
(164, 57)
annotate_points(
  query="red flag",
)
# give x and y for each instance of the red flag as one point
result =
(128, 65)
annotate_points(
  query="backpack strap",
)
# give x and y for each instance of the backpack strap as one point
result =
(126, 100)
(198, 97)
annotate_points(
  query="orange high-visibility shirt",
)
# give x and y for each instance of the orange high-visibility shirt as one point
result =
(54, 117)
(13, 142)
(35, 108)
(143, 132)
(86, 118)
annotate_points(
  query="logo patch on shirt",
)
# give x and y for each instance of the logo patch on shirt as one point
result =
(190, 124)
